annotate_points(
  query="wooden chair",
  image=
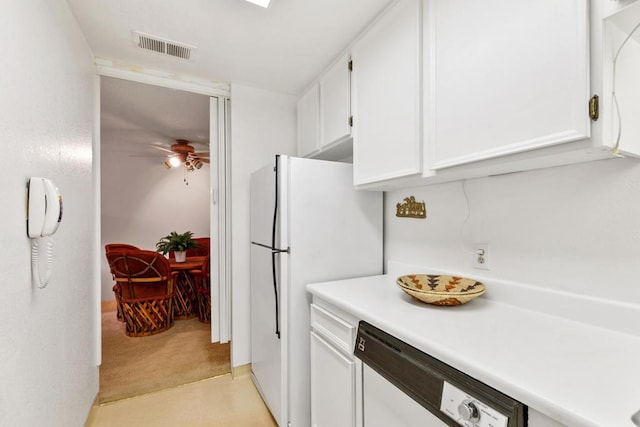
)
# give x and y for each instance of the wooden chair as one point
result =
(146, 286)
(203, 291)
(203, 247)
(111, 247)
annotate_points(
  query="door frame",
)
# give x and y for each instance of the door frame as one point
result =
(220, 180)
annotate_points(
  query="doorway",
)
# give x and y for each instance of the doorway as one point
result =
(141, 201)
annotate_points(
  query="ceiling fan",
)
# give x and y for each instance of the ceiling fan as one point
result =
(180, 153)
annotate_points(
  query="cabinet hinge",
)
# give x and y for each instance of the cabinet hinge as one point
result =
(594, 108)
(351, 121)
(350, 65)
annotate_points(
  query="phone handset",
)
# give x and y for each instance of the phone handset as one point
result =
(44, 214)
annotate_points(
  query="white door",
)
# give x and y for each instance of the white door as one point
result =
(218, 219)
(507, 77)
(332, 386)
(309, 122)
(387, 137)
(334, 100)
(266, 354)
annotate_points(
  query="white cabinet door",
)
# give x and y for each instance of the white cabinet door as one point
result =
(335, 103)
(332, 386)
(506, 77)
(309, 122)
(386, 86)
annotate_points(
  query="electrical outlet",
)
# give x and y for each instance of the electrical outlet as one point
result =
(481, 256)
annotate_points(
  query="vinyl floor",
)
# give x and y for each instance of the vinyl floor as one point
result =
(218, 402)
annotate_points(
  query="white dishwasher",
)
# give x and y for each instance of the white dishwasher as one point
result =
(402, 386)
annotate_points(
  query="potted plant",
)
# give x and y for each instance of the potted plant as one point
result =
(178, 244)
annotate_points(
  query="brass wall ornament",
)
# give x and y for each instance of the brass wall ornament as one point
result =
(411, 209)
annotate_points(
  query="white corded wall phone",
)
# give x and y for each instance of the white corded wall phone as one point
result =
(44, 214)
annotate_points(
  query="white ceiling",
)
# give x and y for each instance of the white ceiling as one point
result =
(282, 48)
(135, 115)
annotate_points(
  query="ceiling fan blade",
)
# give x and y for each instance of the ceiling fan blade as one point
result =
(202, 154)
(166, 150)
(157, 156)
(204, 160)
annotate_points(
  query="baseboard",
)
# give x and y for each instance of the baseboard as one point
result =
(91, 417)
(240, 371)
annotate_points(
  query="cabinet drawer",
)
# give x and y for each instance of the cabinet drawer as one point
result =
(332, 328)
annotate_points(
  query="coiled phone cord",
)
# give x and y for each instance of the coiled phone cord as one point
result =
(35, 261)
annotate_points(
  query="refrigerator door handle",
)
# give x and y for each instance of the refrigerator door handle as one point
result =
(273, 244)
(271, 248)
(275, 291)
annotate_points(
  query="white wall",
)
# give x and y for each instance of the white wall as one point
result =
(47, 353)
(573, 228)
(263, 124)
(142, 201)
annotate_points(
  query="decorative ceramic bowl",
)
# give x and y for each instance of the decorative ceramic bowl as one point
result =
(440, 289)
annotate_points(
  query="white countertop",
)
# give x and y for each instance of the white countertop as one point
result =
(576, 373)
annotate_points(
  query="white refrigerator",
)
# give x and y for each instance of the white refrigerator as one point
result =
(308, 224)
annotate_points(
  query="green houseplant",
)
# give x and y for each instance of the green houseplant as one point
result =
(177, 243)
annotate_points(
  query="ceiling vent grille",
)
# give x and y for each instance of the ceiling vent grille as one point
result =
(163, 46)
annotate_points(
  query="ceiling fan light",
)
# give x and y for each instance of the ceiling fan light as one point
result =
(174, 161)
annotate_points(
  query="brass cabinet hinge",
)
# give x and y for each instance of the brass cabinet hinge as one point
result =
(594, 108)
(350, 65)
(351, 121)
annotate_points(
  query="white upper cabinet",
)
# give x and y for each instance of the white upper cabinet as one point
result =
(309, 122)
(335, 103)
(386, 95)
(505, 77)
(443, 90)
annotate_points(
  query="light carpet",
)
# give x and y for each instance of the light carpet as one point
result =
(135, 366)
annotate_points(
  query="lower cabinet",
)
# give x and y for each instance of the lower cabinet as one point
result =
(332, 385)
(335, 371)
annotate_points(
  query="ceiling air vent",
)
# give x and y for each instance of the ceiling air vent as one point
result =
(163, 46)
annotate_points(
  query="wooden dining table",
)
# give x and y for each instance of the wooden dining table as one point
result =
(186, 303)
